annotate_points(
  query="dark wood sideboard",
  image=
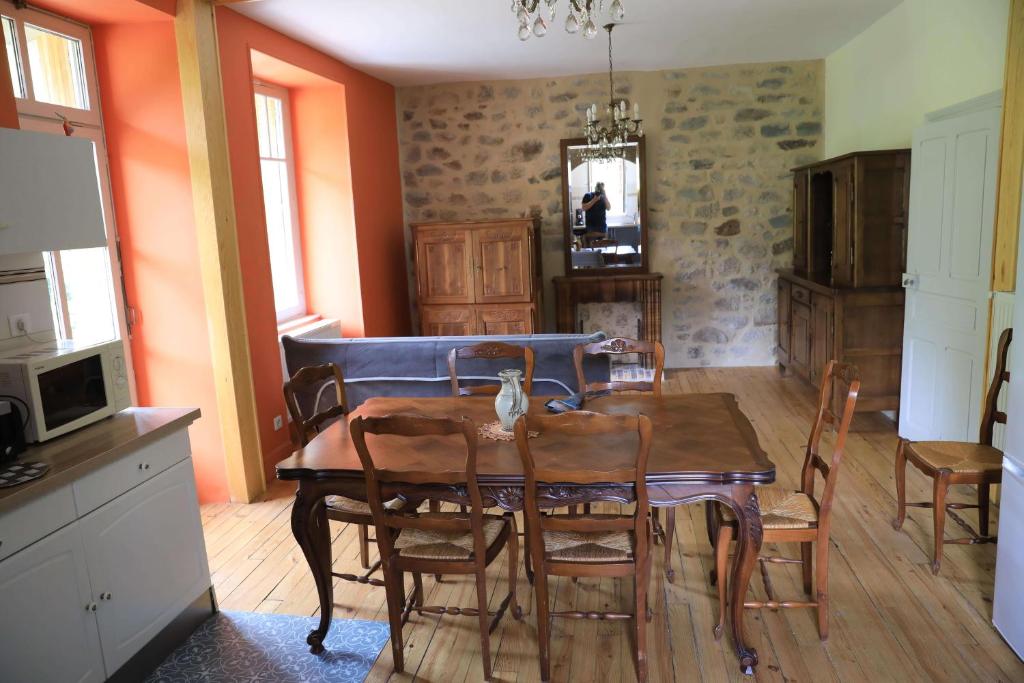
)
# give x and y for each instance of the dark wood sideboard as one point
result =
(843, 299)
(643, 288)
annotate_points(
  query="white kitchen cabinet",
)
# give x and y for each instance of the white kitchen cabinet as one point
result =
(145, 563)
(49, 631)
(49, 193)
(100, 570)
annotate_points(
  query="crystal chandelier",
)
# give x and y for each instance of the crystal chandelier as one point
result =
(581, 15)
(608, 142)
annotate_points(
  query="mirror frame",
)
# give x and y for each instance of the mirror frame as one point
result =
(567, 238)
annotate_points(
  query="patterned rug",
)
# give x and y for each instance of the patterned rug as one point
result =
(232, 647)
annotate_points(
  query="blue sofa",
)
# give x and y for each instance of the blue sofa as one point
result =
(418, 366)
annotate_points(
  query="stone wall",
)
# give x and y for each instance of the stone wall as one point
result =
(720, 143)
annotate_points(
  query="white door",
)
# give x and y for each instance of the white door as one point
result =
(147, 560)
(47, 628)
(949, 264)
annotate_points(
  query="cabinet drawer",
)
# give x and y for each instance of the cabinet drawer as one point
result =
(109, 482)
(801, 294)
(41, 517)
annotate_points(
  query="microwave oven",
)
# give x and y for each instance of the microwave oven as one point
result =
(64, 385)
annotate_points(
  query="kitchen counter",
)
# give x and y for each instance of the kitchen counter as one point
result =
(74, 455)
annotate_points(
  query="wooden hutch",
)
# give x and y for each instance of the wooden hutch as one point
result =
(843, 298)
(479, 277)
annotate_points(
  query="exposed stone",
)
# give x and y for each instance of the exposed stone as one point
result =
(526, 151)
(751, 114)
(718, 189)
(774, 130)
(711, 335)
(730, 227)
(694, 122)
(808, 128)
(796, 144)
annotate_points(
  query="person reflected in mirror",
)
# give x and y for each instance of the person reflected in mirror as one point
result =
(596, 207)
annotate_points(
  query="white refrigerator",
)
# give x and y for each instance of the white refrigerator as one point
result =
(1008, 608)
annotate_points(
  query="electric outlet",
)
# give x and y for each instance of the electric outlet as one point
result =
(278, 422)
(19, 324)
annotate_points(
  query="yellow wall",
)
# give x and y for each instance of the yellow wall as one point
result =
(922, 56)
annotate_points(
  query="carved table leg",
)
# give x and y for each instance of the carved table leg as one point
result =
(748, 546)
(311, 531)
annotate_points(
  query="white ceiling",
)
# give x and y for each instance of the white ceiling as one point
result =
(410, 42)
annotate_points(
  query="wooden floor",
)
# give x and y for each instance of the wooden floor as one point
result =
(891, 620)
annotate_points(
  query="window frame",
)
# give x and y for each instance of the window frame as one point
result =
(281, 93)
(88, 123)
(65, 27)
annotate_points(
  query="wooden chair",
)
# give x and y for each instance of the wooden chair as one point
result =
(435, 542)
(952, 462)
(797, 516)
(620, 346)
(592, 545)
(489, 350)
(310, 387)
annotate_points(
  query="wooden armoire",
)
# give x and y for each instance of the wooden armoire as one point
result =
(479, 277)
(843, 298)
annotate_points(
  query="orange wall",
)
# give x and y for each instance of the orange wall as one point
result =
(151, 183)
(326, 206)
(8, 104)
(369, 107)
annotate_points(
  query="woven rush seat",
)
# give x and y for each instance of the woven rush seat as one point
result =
(358, 507)
(781, 509)
(957, 457)
(588, 546)
(429, 544)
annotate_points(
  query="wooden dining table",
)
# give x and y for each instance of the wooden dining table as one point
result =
(704, 449)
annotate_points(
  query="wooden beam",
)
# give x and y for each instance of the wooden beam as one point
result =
(216, 226)
(1011, 157)
(231, 2)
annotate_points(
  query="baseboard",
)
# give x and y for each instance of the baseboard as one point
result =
(174, 634)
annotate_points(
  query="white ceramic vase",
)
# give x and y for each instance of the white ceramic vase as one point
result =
(511, 401)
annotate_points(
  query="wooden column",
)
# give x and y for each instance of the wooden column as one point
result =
(1011, 157)
(213, 200)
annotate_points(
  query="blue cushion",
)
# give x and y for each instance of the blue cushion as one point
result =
(418, 366)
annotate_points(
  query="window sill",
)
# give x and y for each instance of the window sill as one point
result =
(304, 325)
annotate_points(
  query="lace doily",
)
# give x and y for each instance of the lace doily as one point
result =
(494, 432)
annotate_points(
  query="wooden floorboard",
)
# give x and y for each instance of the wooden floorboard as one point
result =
(891, 620)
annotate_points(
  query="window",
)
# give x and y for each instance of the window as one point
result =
(277, 168)
(54, 76)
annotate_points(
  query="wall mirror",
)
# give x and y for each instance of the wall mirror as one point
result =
(605, 210)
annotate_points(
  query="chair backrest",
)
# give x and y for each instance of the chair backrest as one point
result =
(841, 382)
(310, 387)
(617, 347)
(999, 376)
(415, 428)
(632, 470)
(488, 350)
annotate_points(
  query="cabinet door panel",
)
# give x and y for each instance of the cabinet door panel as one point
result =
(843, 246)
(785, 327)
(48, 634)
(822, 336)
(448, 321)
(146, 549)
(444, 267)
(505, 319)
(800, 353)
(800, 226)
(502, 264)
